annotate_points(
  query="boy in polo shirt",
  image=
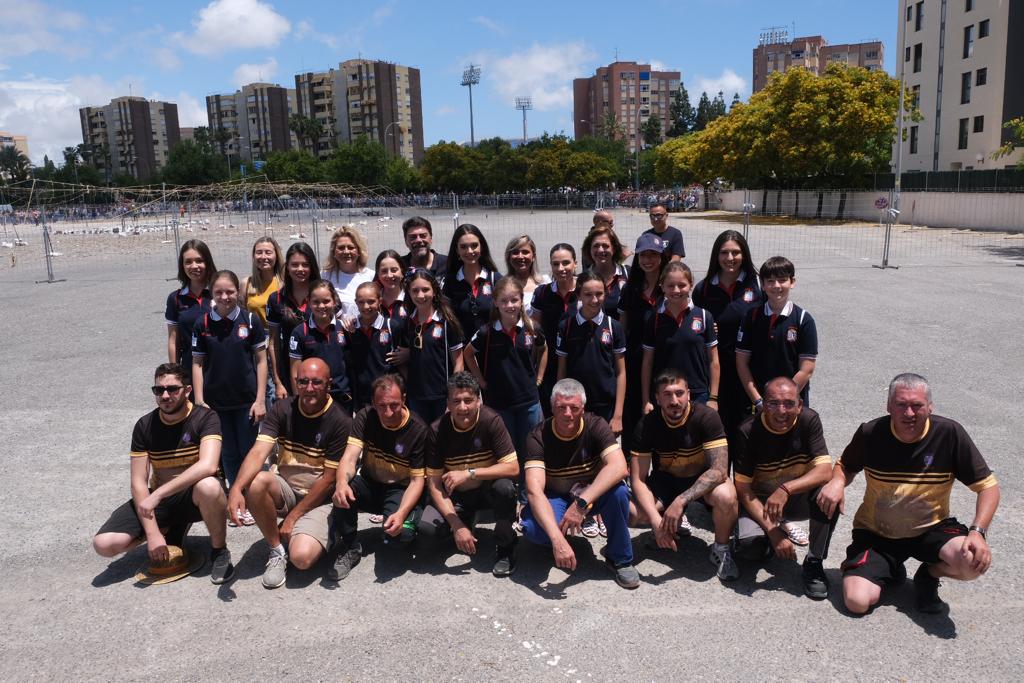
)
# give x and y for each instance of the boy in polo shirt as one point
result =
(778, 339)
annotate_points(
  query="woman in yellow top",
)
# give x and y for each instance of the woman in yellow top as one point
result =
(267, 268)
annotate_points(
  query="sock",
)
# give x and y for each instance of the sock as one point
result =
(215, 552)
(721, 547)
(279, 549)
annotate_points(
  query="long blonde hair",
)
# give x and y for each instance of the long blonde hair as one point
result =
(509, 282)
(331, 265)
(256, 283)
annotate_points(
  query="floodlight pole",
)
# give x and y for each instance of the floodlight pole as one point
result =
(524, 104)
(471, 77)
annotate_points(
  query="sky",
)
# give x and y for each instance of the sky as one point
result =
(59, 55)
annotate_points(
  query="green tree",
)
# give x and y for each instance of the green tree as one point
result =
(718, 106)
(364, 162)
(614, 151)
(295, 165)
(502, 168)
(192, 163)
(735, 101)
(401, 176)
(610, 128)
(681, 112)
(650, 131)
(703, 116)
(450, 167)
(14, 165)
(307, 129)
(1016, 128)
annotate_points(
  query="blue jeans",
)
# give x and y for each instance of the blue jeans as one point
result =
(700, 397)
(520, 422)
(613, 507)
(428, 409)
(238, 434)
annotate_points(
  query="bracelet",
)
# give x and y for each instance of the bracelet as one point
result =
(980, 529)
(789, 494)
(713, 397)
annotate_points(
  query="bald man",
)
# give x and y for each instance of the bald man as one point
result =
(311, 431)
(604, 217)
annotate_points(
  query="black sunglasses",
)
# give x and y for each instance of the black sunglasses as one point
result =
(172, 389)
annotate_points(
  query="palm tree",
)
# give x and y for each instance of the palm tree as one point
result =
(14, 165)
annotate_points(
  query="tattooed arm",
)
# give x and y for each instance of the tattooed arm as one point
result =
(718, 465)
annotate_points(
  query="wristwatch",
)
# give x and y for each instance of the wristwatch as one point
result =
(472, 472)
(581, 504)
(980, 529)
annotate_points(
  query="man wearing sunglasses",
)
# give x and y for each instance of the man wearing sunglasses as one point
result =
(781, 464)
(310, 431)
(179, 443)
(672, 237)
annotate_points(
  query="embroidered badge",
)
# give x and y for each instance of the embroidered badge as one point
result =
(477, 443)
(293, 344)
(748, 296)
(438, 332)
(486, 289)
(528, 341)
(317, 438)
(187, 438)
(606, 337)
(399, 448)
(243, 331)
(791, 334)
(384, 337)
(697, 325)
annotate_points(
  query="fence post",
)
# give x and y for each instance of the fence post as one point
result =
(890, 215)
(747, 208)
(316, 231)
(47, 251)
(455, 211)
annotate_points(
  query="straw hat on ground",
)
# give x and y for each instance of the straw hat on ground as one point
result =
(178, 565)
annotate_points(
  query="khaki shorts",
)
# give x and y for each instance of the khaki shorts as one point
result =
(315, 523)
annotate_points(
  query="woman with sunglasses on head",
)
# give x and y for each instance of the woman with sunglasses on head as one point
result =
(435, 345)
(521, 262)
(603, 254)
(469, 281)
(321, 335)
(286, 308)
(346, 269)
(267, 269)
(186, 305)
(229, 370)
(390, 278)
(550, 304)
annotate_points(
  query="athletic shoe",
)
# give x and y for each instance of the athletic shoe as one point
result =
(222, 569)
(505, 561)
(815, 580)
(274, 574)
(625, 575)
(590, 528)
(601, 528)
(726, 568)
(926, 588)
(248, 519)
(344, 562)
(376, 519)
(797, 535)
(684, 526)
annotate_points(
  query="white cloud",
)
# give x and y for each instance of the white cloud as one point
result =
(225, 25)
(445, 110)
(544, 72)
(658, 65)
(304, 30)
(27, 26)
(191, 112)
(166, 58)
(255, 73)
(489, 24)
(728, 82)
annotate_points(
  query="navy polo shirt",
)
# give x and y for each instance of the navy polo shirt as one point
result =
(682, 344)
(636, 306)
(728, 306)
(227, 346)
(590, 348)
(397, 309)
(551, 307)
(277, 304)
(430, 347)
(438, 268)
(776, 343)
(673, 238)
(471, 301)
(613, 291)
(182, 312)
(367, 355)
(508, 362)
(330, 346)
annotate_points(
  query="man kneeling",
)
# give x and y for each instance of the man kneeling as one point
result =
(181, 442)
(573, 464)
(473, 467)
(311, 431)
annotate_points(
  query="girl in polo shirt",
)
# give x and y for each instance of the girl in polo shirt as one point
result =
(321, 335)
(345, 267)
(469, 282)
(190, 302)
(435, 342)
(603, 254)
(286, 308)
(591, 349)
(267, 268)
(507, 356)
(389, 277)
(377, 345)
(229, 370)
(550, 305)
(680, 336)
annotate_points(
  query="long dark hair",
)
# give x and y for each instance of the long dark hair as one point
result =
(747, 267)
(204, 251)
(454, 262)
(286, 289)
(439, 302)
(637, 279)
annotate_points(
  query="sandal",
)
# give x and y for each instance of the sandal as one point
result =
(796, 534)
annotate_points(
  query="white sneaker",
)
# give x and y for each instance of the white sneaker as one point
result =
(684, 526)
(275, 573)
(590, 528)
(726, 568)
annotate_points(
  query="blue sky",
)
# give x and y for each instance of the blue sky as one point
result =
(57, 55)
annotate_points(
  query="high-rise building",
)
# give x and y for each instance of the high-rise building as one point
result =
(18, 142)
(382, 101)
(775, 52)
(253, 121)
(317, 98)
(963, 64)
(623, 94)
(130, 135)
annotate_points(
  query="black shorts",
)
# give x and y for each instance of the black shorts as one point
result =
(667, 488)
(175, 511)
(880, 559)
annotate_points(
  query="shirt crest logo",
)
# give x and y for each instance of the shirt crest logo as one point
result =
(929, 458)
(187, 438)
(293, 344)
(477, 443)
(486, 289)
(341, 338)
(528, 341)
(606, 337)
(384, 337)
(748, 296)
(317, 438)
(697, 325)
(399, 448)
(438, 332)
(243, 331)
(791, 334)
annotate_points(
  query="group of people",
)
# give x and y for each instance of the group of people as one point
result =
(430, 388)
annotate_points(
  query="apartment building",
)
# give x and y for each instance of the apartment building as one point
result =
(630, 91)
(254, 120)
(963, 63)
(383, 101)
(316, 97)
(18, 142)
(775, 53)
(130, 135)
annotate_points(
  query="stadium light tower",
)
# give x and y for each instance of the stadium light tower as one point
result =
(471, 77)
(524, 104)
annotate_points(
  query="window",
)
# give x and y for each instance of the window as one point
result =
(981, 76)
(962, 143)
(913, 139)
(871, 54)
(915, 95)
(906, 54)
(965, 88)
(983, 29)
(910, 12)
(918, 15)
(968, 41)
(917, 58)
(968, 5)
(979, 124)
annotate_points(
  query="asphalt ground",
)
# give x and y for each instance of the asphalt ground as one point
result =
(79, 357)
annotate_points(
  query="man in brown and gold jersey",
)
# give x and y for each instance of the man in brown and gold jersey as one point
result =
(910, 459)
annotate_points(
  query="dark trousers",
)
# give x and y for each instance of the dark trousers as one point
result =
(752, 542)
(372, 496)
(498, 495)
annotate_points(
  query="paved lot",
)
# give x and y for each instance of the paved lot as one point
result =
(79, 357)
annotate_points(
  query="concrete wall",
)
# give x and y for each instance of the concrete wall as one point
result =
(974, 210)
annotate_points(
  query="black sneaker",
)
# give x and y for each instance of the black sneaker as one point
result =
(222, 569)
(815, 580)
(344, 562)
(926, 588)
(626, 575)
(505, 561)
(899, 575)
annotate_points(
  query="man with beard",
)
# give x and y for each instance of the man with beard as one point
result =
(419, 237)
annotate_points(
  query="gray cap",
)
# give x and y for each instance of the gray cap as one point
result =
(650, 242)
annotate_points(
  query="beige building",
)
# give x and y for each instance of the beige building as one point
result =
(254, 120)
(382, 101)
(130, 135)
(316, 97)
(632, 92)
(775, 53)
(18, 142)
(963, 63)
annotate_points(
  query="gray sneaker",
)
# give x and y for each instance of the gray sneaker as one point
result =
(726, 568)
(626, 575)
(222, 569)
(274, 574)
(344, 562)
